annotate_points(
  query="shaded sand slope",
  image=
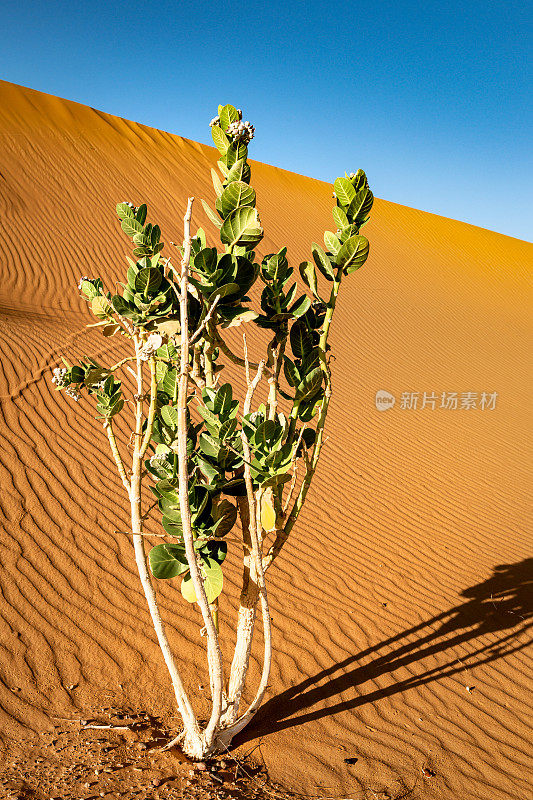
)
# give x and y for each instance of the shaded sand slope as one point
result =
(406, 580)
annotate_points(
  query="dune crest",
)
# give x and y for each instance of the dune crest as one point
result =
(401, 604)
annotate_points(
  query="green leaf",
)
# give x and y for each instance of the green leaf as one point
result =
(121, 306)
(224, 291)
(291, 371)
(225, 516)
(301, 306)
(212, 216)
(124, 211)
(227, 114)
(340, 218)
(168, 560)
(331, 242)
(130, 226)
(223, 400)
(237, 195)
(213, 581)
(353, 253)
(140, 216)
(220, 139)
(100, 307)
(217, 184)
(169, 382)
(265, 434)
(307, 271)
(344, 191)
(227, 429)
(242, 227)
(89, 289)
(208, 446)
(148, 280)
(240, 171)
(173, 528)
(322, 261)
(167, 488)
(236, 153)
(310, 384)
(361, 204)
(214, 578)
(301, 341)
(206, 260)
(170, 508)
(169, 415)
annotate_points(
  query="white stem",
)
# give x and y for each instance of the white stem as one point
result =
(192, 730)
(214, 656)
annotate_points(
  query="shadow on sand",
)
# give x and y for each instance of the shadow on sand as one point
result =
(500, 605)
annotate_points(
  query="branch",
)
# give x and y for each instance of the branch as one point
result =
(213, 647)
(108, 427)
(255, 528)
(240, 362)
(206, 321)
(151, 410)
(311, 466)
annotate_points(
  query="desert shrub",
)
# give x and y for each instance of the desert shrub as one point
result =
(210, 456)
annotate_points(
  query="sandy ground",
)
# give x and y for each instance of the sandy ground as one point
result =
(401, 605)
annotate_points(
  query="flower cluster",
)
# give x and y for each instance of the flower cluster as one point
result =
(214, 121)
(73, 393)
(153, 343)
(241, 131)
(133, 208)
(58, 378)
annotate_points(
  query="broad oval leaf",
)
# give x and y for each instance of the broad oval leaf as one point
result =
(361, 204)
(169, 415)
(307, 271)
(220, 139)
(227, 115)
(131, 226)
(225, 516)
(100, 307)
(237, 195)
(213, 581)
(148, 280)
(211, 214)
(206, 260)
(223, 399)
(310, 384)
(344, 191)
(300, 338)
(301, 306)
(173, 528)
(340, 218)
(331, 242)
(169, 382)
(223, 291)
(170, 508)
(168, 560)
(124, 211)
(353, 253)
(322, 261)
(242, 227)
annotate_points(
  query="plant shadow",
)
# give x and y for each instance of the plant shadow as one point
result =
(502, 605)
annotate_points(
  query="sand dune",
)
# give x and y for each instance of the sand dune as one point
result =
(400, 607)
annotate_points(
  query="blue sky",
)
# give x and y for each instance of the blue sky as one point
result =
(433, 100)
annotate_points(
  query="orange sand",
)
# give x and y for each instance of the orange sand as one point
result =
(405, 581)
